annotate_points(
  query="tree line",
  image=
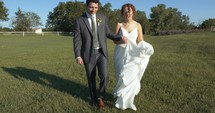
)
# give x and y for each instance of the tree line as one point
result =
(163, 20)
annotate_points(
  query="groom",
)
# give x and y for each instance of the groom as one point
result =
(90, 48)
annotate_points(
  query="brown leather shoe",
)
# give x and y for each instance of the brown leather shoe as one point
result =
(101, 103)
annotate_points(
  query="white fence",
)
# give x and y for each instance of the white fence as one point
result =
(212, 28)
(33, 33)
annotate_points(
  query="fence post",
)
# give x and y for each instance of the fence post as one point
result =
(23, 33)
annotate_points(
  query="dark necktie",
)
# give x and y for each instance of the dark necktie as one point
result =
(95, 36)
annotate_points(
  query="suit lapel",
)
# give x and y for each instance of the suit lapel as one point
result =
(86, 22)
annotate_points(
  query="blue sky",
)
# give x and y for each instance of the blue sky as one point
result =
(197, 10)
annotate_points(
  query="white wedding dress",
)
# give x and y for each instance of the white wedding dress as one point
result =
(130, 63)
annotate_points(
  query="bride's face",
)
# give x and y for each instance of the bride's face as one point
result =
(128, 13)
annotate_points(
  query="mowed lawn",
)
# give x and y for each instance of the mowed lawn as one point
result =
(39, 75)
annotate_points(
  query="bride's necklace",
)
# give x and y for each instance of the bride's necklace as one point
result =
(127, 24)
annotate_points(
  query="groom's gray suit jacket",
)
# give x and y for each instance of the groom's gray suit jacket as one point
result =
(83, 39)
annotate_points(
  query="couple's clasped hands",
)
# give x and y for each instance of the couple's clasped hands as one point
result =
(124, 40)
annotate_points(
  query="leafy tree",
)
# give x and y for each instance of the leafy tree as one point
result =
(157, 17)
(63, 16)
(142, 19)
(3, 12)
(207, 24)
(20, 22)
(34, 19)
(168, 20)
(172, 19)
(106, 9)
(25, 21)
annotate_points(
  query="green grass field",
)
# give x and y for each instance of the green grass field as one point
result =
(39, 75)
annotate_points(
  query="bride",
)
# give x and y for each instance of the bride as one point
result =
(130, 59)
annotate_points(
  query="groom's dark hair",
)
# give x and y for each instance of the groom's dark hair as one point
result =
(88, 1)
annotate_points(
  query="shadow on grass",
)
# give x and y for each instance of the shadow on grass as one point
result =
(49, 80)
(53, 81)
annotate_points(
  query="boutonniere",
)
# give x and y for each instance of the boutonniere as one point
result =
(98, 20)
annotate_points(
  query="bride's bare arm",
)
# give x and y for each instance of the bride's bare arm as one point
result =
(140, 33)
(116, 32)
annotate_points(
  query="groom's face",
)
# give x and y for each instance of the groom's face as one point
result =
(92, 8)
